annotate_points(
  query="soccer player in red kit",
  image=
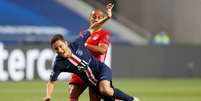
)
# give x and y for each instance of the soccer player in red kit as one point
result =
(97, 44)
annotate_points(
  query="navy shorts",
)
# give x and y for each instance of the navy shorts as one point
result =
(105, 73)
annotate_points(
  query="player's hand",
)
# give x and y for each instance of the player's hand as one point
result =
(109, 8)
(46, 99)
(97, 25)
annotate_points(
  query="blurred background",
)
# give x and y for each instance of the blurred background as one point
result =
(155, 44)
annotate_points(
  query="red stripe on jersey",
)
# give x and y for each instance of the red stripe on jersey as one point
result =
(76, 61)
(91, 74)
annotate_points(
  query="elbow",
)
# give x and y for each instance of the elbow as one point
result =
(99, 52)
(102, 51)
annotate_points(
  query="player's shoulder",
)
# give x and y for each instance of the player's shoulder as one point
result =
(59, 59)
(105, 31)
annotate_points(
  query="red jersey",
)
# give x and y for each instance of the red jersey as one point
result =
(103, 37)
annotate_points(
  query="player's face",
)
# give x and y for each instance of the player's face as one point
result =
(95, 16)
(61, 48)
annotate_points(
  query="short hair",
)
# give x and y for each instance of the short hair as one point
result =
(57, 37)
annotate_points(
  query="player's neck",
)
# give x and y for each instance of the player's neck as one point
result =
(98, 29)
(69, 53)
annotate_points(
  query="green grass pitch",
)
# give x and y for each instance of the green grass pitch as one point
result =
(145, 89)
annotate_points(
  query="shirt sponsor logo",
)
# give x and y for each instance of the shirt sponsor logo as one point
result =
(95, 38)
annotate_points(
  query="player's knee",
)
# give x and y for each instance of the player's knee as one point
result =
(73, 96)
(107, 91)
(74, 93)
(73, 99)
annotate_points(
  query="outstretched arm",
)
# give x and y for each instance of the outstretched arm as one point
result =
(50, 88)
(98, 24)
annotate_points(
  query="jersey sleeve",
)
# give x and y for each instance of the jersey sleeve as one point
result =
(54, 75)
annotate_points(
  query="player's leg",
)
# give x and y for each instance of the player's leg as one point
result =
(106, 89)
(75, 91)
(93, 95)
(76, 87)
(105, 85)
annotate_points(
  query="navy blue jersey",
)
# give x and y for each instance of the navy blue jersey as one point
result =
(99, 69)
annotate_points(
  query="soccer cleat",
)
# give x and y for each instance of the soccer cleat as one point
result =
(136, 99)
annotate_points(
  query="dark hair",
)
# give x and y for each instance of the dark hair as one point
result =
(97, 11)
(57, 37)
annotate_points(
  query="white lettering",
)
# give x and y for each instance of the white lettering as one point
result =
(32, 56)
(46, 54)
(16, 65)
(3, 56)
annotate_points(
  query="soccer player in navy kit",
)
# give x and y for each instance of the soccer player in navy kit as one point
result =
(75, 58)
(98, 45)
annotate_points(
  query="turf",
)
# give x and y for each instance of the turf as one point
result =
(146, 89)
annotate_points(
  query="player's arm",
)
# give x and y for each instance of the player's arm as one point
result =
(51, 83)
(49, 90)
(100, 49)
(102, 46)
(94, 27)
